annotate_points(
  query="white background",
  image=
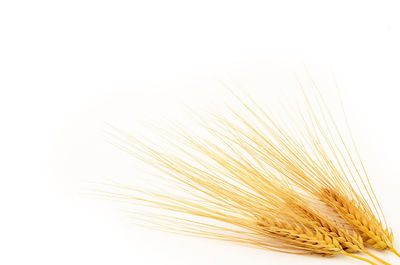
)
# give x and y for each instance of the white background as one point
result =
(69, 67)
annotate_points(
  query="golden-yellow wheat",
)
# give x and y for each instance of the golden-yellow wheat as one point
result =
(254, 183)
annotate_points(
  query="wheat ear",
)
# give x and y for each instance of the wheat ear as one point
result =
(368, 226)
(300, 235)
(267, 219)
(350, 241)
(250, 176)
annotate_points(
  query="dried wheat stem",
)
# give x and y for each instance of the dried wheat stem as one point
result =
(360, 258)
(375, 257)
(395, 252)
